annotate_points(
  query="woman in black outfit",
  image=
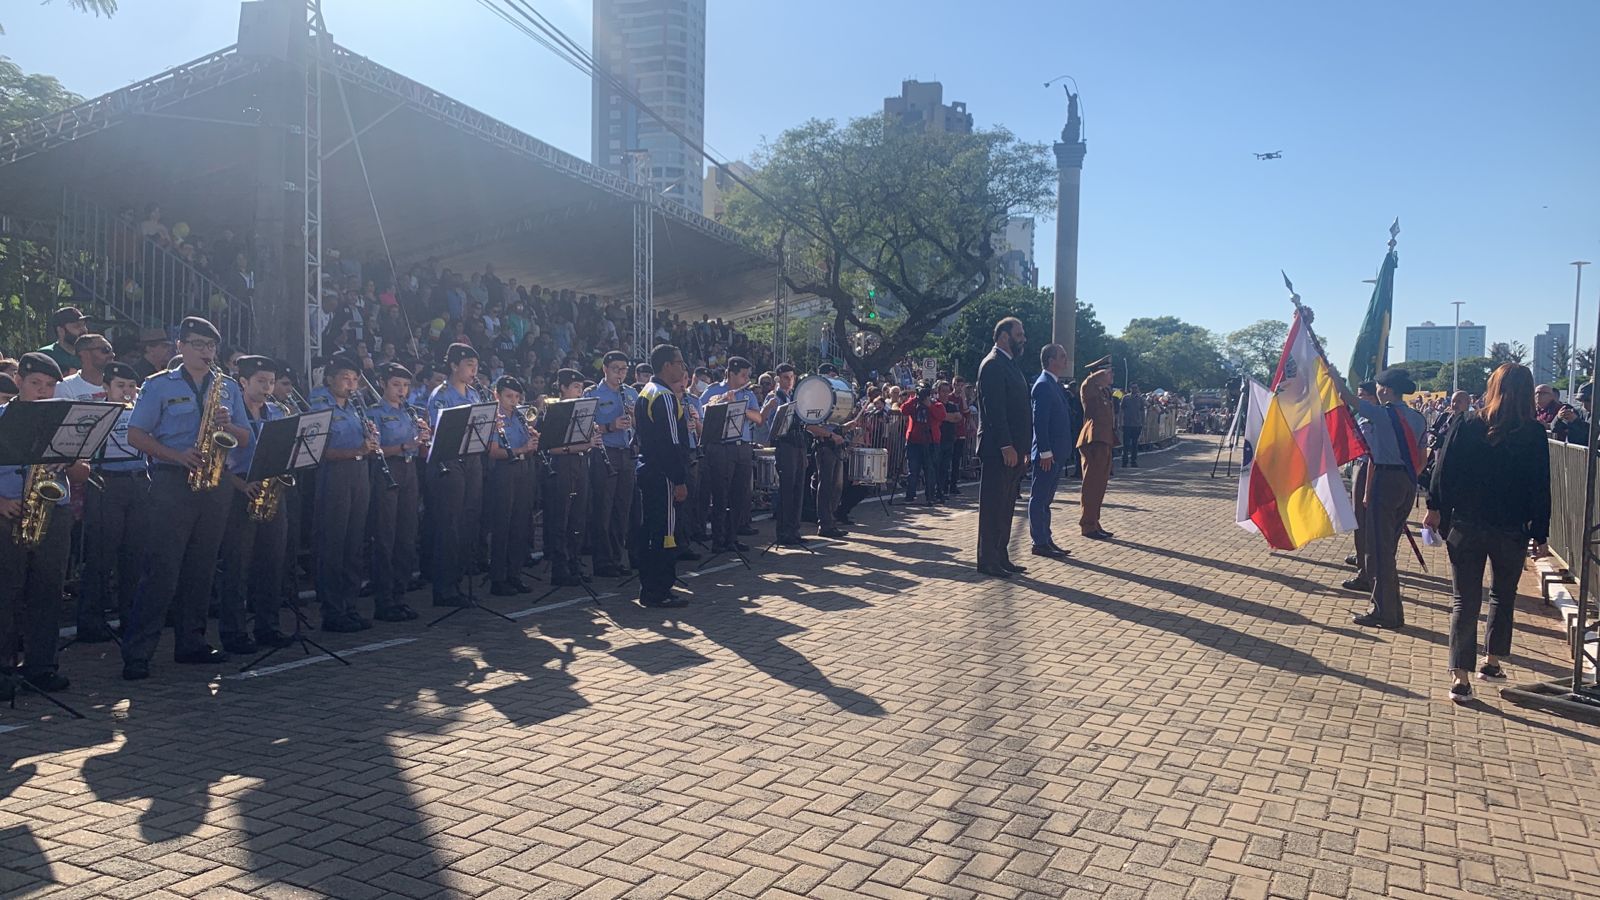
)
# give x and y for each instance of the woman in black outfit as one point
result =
(1490, 495)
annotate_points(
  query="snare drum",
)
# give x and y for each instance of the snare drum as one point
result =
(766, 469)
(868, 465)
(820, 400)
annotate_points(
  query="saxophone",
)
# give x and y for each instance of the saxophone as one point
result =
(40, 494)
(263, 507)
(212, 441)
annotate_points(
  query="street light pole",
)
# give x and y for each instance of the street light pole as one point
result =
(1455, 363)
(1572, 355)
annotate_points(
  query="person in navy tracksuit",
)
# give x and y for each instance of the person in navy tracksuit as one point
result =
(1053, 446)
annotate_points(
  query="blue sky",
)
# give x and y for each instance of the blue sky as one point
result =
(1474, 122)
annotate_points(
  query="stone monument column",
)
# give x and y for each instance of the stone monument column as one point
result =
(1070, 151)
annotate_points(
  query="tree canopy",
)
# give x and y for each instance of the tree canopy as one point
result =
(25, 97)
(1256, 348)
(876, 214)
(98, 7)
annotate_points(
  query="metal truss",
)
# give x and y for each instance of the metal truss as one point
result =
(153, 94)
(311, 185)
(644, 263)
(780, 317)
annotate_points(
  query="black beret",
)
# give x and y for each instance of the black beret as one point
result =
(510, 383)
(394, 370)
(197, 325)
(738, 364)
(1397, 380)
(250, 365)
(340, 363)
(457, 352)
(569, 376)
(121, 370)
(614, 356)
(37, 363)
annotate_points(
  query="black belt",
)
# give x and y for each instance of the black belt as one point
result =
(135, 473)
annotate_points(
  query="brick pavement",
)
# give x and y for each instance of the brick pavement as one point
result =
(1177, 714)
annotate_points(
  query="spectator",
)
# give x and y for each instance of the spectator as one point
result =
(1490, 494)
(1546, 405)
(1132, 425)
(924, 419)
(1572, 425)
(68, 322)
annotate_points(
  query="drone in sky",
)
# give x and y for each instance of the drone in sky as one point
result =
(1276, 154)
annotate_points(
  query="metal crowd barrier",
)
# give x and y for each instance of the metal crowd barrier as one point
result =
(1567, 474)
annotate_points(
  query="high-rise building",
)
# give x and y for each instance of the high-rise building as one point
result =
(1437, 342)
(1545, 356)
(658, 49)
(1013, 249)
(921, 106)
(718, 184)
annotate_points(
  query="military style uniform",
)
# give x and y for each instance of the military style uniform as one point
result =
(183, 562)
(31, 580)
(611, 488)
(344, 489)
(252, 555)
(455, 498)
(513, 491)
(393, 519)
(113, 529)
(731, 470)
(663, 437)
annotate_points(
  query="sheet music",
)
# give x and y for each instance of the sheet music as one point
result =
(83, 429)
(480, 428)
(581, 429)
(733, 425)
(117, 447)
(313, 438)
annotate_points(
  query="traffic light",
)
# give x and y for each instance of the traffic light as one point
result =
(872, 292)
(872, 314)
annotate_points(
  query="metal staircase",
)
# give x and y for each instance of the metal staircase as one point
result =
(125, 276)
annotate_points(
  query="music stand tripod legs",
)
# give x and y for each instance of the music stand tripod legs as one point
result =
(20, 680)
(298, 636)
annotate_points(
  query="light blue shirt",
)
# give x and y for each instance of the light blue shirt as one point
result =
(516, 431)
(240, 459)
(1378, 429)
(613, 403)
(12, 478)
(745, 394)
(345, 431)
(446, 396)
(169, 407)
(689, 399)
(395, 426)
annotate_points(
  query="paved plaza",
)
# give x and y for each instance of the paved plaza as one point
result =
(1180, 713)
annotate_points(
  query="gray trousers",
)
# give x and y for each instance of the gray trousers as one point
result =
(30, 592)
(182, 564)
(252, 570)
(393, 525)
(1393, 493)
(508, 511)
(731, 469)
(791, 461)
(566, 512)
(113, 524)
(830, 483)
(344, 488)
(611, 509)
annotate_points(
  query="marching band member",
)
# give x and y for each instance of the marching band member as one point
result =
(252, 551)
(686, 528)
(513, 491)
(344, 489)
(612, 485)
(791, 459)
(112, 518)
(566, 498)
(31, 577)
(662, 476)
(393, 521)
(165, 427)
(455, 486)
(731, 466)
(829, 460)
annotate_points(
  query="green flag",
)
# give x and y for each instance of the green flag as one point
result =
(1371, 354)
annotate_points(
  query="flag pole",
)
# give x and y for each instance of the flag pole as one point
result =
(1306, 315)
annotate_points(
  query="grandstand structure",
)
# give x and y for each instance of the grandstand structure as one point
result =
(301, 145)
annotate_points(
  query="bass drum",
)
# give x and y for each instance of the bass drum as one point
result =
(820, 400)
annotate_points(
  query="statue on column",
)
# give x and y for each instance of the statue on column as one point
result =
(1073, 132)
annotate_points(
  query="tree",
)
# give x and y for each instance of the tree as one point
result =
(1501, 352)
(98, 7)
(1256, 348)
(1585, 361)
(1167, 352)
(870, 208)
(968, 339)
(25, 97)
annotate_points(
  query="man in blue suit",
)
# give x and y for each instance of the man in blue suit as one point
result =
(1054, 444)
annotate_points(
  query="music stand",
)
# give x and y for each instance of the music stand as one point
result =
(726, 420)
(48, 433)
(464, 431)
(567, 423)
(283, 447)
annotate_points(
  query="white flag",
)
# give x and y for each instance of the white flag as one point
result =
(1259, 398)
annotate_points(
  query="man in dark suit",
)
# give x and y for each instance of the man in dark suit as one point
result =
(1005, 429)
(1054, 443)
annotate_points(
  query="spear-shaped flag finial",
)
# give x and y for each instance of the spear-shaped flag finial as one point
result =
(1394, 232)
(1293, 297)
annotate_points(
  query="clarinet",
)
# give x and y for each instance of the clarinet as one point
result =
(369, 428)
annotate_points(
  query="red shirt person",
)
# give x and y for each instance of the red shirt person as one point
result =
(923, 415)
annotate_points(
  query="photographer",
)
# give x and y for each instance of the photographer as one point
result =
(1571, 424)
(924, 416)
